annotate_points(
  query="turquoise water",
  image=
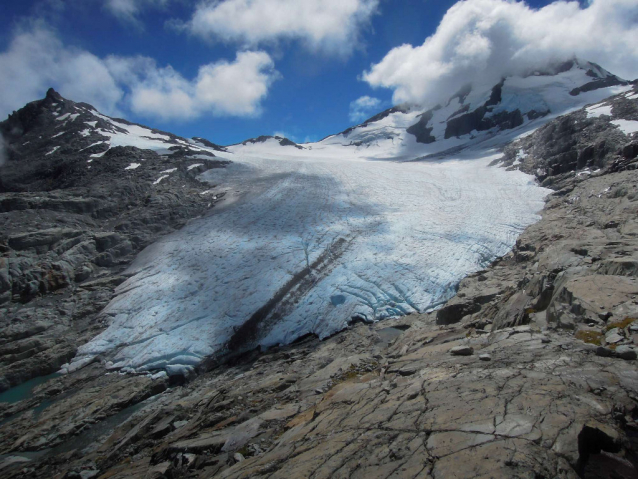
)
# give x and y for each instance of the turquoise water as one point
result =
(24, 390)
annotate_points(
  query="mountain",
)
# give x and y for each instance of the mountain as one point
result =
(80, 195)
(474, 115)
(321, 233)
(60, 142)
(271, 140)
(246, 341)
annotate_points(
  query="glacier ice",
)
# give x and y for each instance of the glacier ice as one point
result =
(304, 241)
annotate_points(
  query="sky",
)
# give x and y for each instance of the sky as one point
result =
(228, 70)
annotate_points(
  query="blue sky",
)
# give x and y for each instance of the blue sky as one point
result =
(308, 81)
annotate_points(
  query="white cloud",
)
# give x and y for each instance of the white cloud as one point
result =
(222, 88)
(480, 41)
(36, 59)
(284, 134)
(128, 10)
(329, 26)
(363, 108)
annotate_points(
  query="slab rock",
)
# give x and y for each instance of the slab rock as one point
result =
(583, 299)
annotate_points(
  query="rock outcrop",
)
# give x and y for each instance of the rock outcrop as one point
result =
(74, 212)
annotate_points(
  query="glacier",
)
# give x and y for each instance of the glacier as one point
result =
(363, 225)
(304, 242)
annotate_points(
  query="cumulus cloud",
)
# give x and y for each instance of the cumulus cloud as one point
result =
(481, 41)
(36, 59)
(363, 108)
(329, 26)
(222, 88)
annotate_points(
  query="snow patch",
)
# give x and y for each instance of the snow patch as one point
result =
(172, 170)
(133, 166)
(55, 148)
(597, 111)
(196, 165)
(157, 182)
(627, 126)
(520, 155)
(92, 145)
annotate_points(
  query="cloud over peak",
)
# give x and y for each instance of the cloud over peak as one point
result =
(222, 88)
(328, 26)
(481, 41)
(363, 107)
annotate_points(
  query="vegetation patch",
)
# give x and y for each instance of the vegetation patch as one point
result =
(590, 337)
(620, 324)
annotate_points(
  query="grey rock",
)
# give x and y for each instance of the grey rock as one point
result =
(614, 336)
(626, 352)
(462, 351)
(604, 352)
(455, 310)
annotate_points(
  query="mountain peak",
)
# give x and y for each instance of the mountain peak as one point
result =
(477, 112)
(53, 95)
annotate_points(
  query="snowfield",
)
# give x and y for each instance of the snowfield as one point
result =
(305, 242)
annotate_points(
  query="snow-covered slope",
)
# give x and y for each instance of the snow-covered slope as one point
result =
(479, 113)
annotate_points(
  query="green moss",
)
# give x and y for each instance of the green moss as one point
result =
(590, 337)
(620, 324)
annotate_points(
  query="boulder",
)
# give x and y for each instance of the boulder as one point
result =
(627, 353)
(455, 310)
(462, 351)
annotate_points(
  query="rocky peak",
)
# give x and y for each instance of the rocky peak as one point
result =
(282, 141)
(53, 95)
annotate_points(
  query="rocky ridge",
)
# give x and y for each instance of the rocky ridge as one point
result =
(478, 113)
(529, 371)
(78, 201)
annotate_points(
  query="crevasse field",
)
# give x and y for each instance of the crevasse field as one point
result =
(304, 241)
